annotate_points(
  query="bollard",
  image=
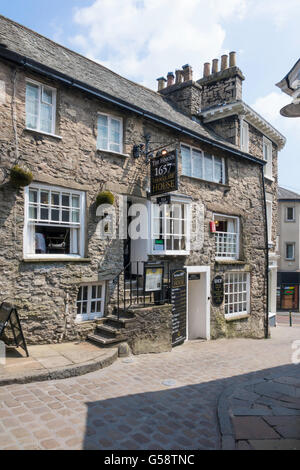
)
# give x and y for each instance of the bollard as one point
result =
(291, 319)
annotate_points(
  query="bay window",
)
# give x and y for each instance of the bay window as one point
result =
(110, 133)
(40, 107)
(227, 237)
(237, 294)
(170, 228)
(202, 165)
(54, 222)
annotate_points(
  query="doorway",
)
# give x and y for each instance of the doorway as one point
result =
(198, 304)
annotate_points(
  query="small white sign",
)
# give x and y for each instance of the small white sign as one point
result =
(2, 92)
(2, 354)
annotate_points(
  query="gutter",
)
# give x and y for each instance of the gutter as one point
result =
(69, 81)
(267, 325)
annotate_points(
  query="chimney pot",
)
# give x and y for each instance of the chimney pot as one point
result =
(187, 73)
(206, 71)
(161, 83)
(224, 62)
(179, 76)
(215, 66)
(170, 78)
(232, 59)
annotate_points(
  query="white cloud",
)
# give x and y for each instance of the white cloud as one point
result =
(269, 107)
(278, 11)
(145, 39)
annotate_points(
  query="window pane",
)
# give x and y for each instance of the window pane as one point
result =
(44, 214)
(197, 164)
(32, 105)
(55, 199)
(94, 292)
(55, 215)
(46, 118)
(102, 140)
(66, 216)
(208, 167)
(33, 213)
(114, 138)
(75, 217)
(32, 195)
(65, 200)
(186, 161)
(44, 197)
(75, 201)
(47, 96)
(218, 170)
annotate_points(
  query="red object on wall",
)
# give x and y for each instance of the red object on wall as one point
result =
(213, 227)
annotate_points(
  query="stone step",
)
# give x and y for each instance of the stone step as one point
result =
(103, 341)
(111, 331)
(121, 322)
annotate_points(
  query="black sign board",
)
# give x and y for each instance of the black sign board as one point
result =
(164, 174)
(178, 298)
(164, 200)
(194, 277)
(9, 317)
(218, 290)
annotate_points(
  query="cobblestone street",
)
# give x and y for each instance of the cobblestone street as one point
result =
(164, 401)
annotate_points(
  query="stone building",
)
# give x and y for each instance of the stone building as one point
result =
(289, 244)
(78, 127)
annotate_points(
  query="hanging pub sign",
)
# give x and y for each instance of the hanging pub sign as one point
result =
(9, 317)
(178, 298)
(153, 278)
(164, 174)
(218, 291)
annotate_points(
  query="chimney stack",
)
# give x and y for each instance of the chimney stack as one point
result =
(224, 62)
(232, 59)
(187, 73)
(206, 71)
(179, 76)
(161, 83)
(215, 66)
(170, 78)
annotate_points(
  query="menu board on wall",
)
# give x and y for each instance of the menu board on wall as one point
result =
(179, 298)
(218, 290)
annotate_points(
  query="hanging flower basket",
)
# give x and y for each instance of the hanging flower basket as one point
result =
(105, 197)
(20, 177)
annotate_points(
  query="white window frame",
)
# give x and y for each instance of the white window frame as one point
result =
(269, 203)
(237, 222)
(27, 236)
(293, 244)
(109, 118)
(95, 315)
(286, 214)
(244, 136)
(268, 170)
(41, 86)
(191, 148)
(187, 222)
(237, 292)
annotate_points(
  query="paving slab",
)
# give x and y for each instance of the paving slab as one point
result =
(282, 444)
(251, 427)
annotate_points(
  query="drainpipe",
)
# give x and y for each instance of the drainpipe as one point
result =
(267, 253)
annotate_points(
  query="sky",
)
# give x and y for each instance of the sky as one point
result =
(145, 39)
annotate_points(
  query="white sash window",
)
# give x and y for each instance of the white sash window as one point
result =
(40, 107)
(110, 133)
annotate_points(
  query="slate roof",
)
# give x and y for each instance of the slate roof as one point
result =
(286, 194)
(32, 45)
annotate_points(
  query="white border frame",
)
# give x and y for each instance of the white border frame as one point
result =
(92, 316)
(182, 144)
(82, 195)
(54, 95)
(116, 118)
(238, 225)
(228, 316)
(199, 270)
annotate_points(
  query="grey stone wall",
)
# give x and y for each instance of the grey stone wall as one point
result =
(221, 88)
(46, 292)
(152, 332)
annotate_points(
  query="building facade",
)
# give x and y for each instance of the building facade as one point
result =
(79, 128)
(289, 240)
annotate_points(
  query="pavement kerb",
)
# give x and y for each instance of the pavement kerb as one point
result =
(224, 414)
(64, 372)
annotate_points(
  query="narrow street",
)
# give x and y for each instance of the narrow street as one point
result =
(164, 401)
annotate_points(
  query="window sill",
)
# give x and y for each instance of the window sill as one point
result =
(237, 317)
(111, 152)
(269, 178)
(35, 131)
(56, 260)
(200, 180)
(170, 253)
